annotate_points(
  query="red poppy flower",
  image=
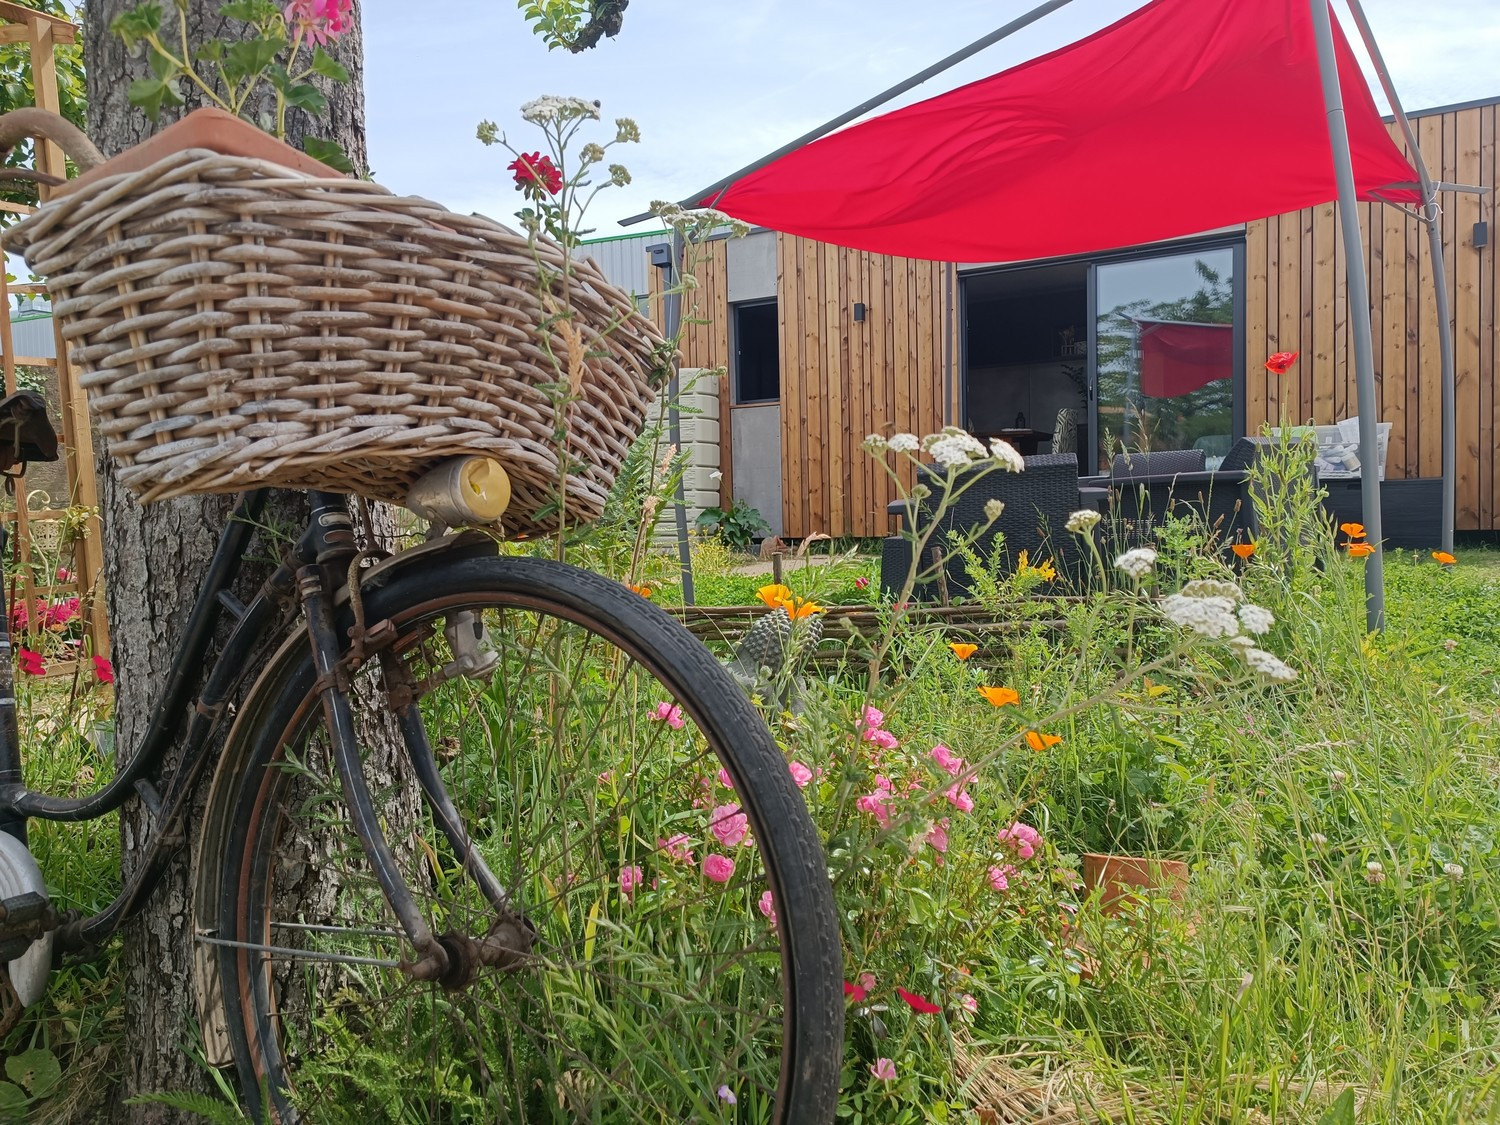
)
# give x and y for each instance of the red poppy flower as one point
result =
(917, 1003)
(104, 670)
(1278, 363)
(854, 992)
(534, 169)
(30, 662)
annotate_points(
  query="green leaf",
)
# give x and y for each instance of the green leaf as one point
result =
(151, 94)
(162, 66)
(250, 11)
(1341, 1112)
(12, 1102)
(37, 1070)
(250, 57)
(325, 64)
(137, 24)
(306, 97)
(211, 51)
(329, 153)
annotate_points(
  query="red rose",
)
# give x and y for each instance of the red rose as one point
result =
(1278, 363)
(534, 169)
(918, 1004)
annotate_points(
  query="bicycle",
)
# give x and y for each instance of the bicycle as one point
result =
(507, 909)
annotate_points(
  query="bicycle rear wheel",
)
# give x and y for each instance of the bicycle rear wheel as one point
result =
(664, 947)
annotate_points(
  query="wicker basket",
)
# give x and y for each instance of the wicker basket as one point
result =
(238, 324)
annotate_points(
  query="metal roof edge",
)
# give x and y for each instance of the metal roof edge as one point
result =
(1455, 107)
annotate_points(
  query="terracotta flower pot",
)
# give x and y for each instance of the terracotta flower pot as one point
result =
(1115, 877)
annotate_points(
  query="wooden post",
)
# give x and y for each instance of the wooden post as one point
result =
(42, 34)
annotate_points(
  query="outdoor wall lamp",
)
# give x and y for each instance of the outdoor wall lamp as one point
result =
(1481, 235)
(859, 309)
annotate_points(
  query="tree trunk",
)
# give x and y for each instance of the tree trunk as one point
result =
(154, 557)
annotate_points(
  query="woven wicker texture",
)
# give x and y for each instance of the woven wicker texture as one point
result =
(1037, 505)
(240, 325)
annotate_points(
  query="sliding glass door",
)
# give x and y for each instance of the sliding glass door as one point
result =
(1167, 352)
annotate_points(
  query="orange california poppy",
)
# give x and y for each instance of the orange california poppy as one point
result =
(963, 651)
(798, 608)
(1280, 362)
(1000, 696)
(1244, 550)
(1039, 741)
(1353, 530)
(1444, 557)
(775, 596)
(1360, 550)
(643, 591)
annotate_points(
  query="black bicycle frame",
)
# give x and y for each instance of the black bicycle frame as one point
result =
(327, 540)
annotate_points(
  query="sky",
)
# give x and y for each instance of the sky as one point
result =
(715, 84)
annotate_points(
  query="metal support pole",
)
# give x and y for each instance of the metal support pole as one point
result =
(1359, 312)
(672, 313)
(864, 107)
(1439, 272)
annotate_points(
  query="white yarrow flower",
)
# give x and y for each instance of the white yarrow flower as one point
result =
(1256, 620)
(993, 509)
(550, 108)
(1208, 617)
(1006, 454)
(1212, 588)
(1268, 665)
(1083, 521)
(950, 452)
(903, 443)
(1137, 562)
(874, 443)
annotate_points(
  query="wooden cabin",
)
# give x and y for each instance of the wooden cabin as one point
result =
(1159, 346)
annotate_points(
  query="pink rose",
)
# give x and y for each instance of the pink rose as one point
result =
(800, 774)
(946, 760)
(768, 907)
(877, 804)
(668, 713)
(677, 847)
(630, 879)
(729, 824)
(959, 798)
(719, 868)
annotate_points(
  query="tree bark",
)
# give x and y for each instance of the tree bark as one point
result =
(154, 557)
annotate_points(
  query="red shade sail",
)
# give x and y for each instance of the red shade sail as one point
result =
(1185, 116)
(1178, 358)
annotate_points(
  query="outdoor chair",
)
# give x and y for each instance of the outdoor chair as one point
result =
(1065, 431)
(1146, 487)
(1037, 503)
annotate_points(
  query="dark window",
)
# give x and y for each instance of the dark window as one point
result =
(757, 353)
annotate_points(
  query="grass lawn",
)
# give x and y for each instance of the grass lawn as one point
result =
(1334, 957)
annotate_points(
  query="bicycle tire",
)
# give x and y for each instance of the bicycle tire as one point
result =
(263, 1001)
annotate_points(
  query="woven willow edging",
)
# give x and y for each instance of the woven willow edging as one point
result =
(238, 324)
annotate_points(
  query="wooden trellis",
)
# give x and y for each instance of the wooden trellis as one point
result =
(41, 532)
